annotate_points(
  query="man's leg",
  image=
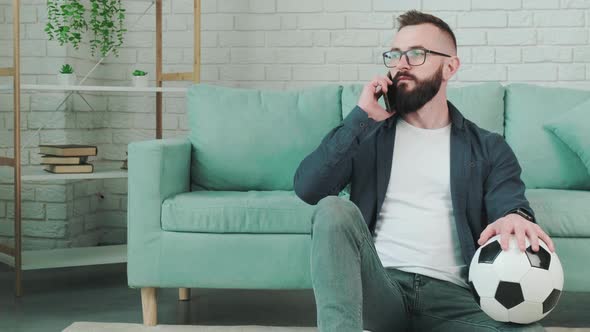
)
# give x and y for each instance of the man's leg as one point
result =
(352, 289)
(444, 306)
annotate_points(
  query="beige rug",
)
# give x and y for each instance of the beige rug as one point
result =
(126, 327)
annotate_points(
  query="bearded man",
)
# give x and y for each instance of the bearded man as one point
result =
(395, 256)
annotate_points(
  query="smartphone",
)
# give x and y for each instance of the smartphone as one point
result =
(389, 97)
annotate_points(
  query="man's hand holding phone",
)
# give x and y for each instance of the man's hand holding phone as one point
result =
(372, 91)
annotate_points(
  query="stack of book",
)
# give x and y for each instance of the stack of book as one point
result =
(70, 158)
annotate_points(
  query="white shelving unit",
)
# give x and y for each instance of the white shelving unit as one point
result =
(102, 170)
(77, 256)
(96, 88)
(67, 257)
(15, 256)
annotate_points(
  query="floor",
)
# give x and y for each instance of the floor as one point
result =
(55, 298)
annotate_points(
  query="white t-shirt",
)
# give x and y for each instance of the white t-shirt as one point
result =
(415, 229)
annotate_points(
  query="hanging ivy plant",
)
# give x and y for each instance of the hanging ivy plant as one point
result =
(65, 21)
(106, 22)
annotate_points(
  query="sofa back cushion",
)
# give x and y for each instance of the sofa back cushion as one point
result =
(481, 103)
(546, 161)
(247, 139)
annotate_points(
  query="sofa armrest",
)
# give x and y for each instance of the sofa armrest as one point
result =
(158, 169)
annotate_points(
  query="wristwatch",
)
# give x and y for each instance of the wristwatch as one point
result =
(523, 213)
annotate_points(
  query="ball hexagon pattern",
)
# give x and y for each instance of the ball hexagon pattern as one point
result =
(515, 286)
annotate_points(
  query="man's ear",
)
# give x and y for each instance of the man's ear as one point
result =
(451, 67)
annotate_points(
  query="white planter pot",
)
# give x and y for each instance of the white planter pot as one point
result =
(66, 79)
(140, 81)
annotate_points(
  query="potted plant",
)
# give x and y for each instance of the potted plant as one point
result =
(66, 75)
(139, 78)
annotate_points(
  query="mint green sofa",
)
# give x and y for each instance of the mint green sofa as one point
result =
(217, 209)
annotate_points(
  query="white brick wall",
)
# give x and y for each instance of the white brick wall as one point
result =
(65, 213)
(275, 44)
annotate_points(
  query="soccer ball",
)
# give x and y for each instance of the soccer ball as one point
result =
(515, 286)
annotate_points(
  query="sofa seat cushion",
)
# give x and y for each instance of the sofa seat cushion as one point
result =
(278, 212)
(561, 213)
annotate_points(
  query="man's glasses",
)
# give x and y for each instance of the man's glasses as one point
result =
(414, 57)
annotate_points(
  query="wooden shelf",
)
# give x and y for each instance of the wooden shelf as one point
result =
(98, 88)
(94, 255)
(102, 170)
(83, 256)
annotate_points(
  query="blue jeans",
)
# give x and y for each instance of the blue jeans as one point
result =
(353, 291)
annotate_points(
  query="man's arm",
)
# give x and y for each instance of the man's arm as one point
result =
(328, 168)
(504, 193)
(504, 189)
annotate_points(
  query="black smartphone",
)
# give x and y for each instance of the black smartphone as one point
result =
(389, 97)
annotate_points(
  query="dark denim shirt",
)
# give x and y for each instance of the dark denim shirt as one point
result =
(485, 174)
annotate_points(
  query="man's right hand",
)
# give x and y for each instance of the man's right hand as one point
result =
(369, 96)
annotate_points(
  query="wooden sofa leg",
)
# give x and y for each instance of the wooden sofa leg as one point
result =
(149, 305)
(184, 294)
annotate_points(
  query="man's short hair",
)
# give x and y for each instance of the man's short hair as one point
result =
(414, 17)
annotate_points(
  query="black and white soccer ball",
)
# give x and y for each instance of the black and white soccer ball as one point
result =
(515, 286)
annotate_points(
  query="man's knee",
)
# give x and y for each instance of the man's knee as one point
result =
(333, 211)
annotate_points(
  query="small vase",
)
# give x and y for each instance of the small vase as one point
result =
(140, 81)
(66, 79)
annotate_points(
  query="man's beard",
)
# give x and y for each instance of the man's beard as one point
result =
(410, 101)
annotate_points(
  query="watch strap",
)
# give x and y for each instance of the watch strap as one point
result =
(523, 213)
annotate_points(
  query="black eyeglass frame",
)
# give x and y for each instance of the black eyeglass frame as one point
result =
(405, 53)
